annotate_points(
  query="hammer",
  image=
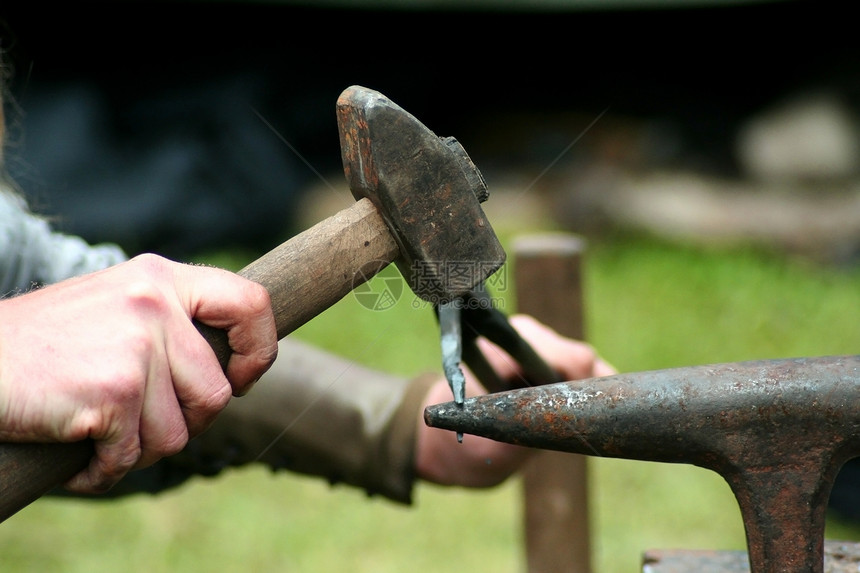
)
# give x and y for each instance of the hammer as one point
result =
(417, 204)
(777, 431)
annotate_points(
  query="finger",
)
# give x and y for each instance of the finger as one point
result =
(254, 343)
(499, 360)
(114, 457)
(239, 306)
(574, 359)
(200, 387)
(603, 368)
(163, 425)
(133, 434)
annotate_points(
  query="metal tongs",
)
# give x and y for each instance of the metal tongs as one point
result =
(461, 321)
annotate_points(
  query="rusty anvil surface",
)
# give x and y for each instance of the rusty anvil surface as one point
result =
(777, 431)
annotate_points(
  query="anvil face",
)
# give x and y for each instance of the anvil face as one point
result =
(778, 431)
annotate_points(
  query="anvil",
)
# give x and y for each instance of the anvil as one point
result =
(777, 431)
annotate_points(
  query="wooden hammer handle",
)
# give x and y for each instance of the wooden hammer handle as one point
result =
(304, 276)
(317, 267)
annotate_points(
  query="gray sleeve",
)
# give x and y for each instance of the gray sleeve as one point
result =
(32, 254)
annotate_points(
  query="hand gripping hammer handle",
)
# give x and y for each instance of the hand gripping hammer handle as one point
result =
(304, 276)
(407, 211)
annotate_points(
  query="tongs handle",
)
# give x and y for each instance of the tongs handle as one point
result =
(480, 318)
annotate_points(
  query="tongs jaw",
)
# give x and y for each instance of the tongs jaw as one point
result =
(473, 315)
(449, 315)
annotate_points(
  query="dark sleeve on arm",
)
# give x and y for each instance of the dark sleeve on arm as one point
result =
(315, 414)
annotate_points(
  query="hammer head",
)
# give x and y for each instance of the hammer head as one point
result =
(427, 190)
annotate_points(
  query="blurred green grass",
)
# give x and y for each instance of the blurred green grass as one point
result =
(649, 304)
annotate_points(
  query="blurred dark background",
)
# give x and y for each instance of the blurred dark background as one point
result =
(162, 125)
(181, 127)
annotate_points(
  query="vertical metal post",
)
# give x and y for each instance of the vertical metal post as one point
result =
(548, 284)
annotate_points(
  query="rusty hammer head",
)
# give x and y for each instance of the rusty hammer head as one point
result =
(427, 190)
(778, 431)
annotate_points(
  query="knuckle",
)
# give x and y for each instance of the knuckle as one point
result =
(173, 442)
(257, 297)
(87, 423)
(522, 320)
(198, 419)
(588, 352)
(111, 464)
(218, 400)
(138, 342)
(149, 261)
(125, 383)
(268, 354)
(199, 412)
(143, 296)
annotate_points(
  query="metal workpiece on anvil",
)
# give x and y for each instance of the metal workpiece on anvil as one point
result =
(777, 431)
